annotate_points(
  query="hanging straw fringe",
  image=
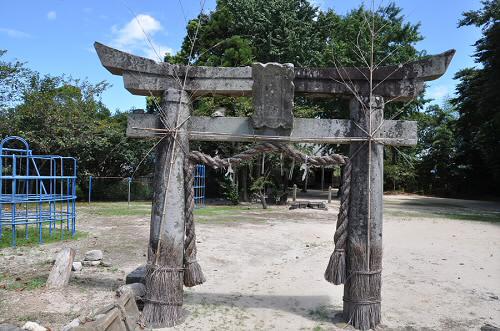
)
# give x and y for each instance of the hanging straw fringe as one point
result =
(362, 301)
(193, 275)
(165, 282)
(336, 270)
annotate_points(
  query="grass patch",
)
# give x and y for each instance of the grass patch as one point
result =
(227, 214)
(221, 210)
(17, 284)
(321, 313)
(34, 236)
(110, 209)
(479, 216)
(483, 217)
(143, 208)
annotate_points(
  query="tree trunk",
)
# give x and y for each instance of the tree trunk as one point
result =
(262, 197)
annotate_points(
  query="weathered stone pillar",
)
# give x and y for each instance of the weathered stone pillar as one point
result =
(364, 246)
(164, 272)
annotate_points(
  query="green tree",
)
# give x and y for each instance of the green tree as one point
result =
(64, 116)
(14, 77)
(478, 105)
(240, 32)
(437, 168)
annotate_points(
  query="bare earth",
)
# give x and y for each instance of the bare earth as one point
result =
(264, 269)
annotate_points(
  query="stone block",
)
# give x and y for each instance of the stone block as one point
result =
(93, 255)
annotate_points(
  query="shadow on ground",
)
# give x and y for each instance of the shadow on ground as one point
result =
(97, 282)
(319, 309)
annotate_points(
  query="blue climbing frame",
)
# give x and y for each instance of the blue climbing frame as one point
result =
(199, 186)
(37, 191)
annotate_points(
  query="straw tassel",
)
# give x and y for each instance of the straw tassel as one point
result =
(193, 275)
(164, 297)
(336, 271)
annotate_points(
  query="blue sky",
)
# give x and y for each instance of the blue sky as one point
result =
(56, 36)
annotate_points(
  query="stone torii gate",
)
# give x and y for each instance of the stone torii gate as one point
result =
(273, 87)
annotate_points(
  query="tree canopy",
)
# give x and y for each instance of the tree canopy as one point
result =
(459, 147)
(65, 116)
(478, 105)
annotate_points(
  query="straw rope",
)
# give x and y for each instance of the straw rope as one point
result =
(336, 269)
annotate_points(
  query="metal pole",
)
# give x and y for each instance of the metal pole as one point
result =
(13, 201)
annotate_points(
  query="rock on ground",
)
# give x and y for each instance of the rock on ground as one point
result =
(91, 263)
(137, 289)
(93, 255)
(73, 324)
(77, 266)
(33, 326)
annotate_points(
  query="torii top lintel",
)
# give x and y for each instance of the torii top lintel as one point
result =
(143, 76)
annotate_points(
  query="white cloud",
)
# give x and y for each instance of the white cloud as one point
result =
(51, 15)
(14, 33)
(318, 3)
(137, 36)
(135, 30)
(438, 92)
(157, 52)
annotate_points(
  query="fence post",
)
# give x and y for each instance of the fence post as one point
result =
(128, 198)
(329, 194)
(294, 192)
(322, 177)
(90, 188)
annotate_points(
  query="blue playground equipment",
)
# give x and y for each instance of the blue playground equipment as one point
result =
(199, 186)
(37, 192)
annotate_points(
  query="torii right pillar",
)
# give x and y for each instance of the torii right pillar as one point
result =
(362, 299)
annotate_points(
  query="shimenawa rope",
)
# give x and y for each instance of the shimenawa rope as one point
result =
(335, 272)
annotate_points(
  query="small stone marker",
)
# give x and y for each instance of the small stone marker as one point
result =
(61, 271)
(308, 204)
(77, 266)
(93, 255)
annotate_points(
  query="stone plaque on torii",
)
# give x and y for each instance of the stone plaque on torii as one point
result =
(273, 87)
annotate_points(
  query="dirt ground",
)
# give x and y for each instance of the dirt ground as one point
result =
(264, 269)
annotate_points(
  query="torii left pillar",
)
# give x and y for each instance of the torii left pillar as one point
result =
(362, 288)
(164, 271)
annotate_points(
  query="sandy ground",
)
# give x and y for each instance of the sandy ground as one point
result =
(264, 270)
